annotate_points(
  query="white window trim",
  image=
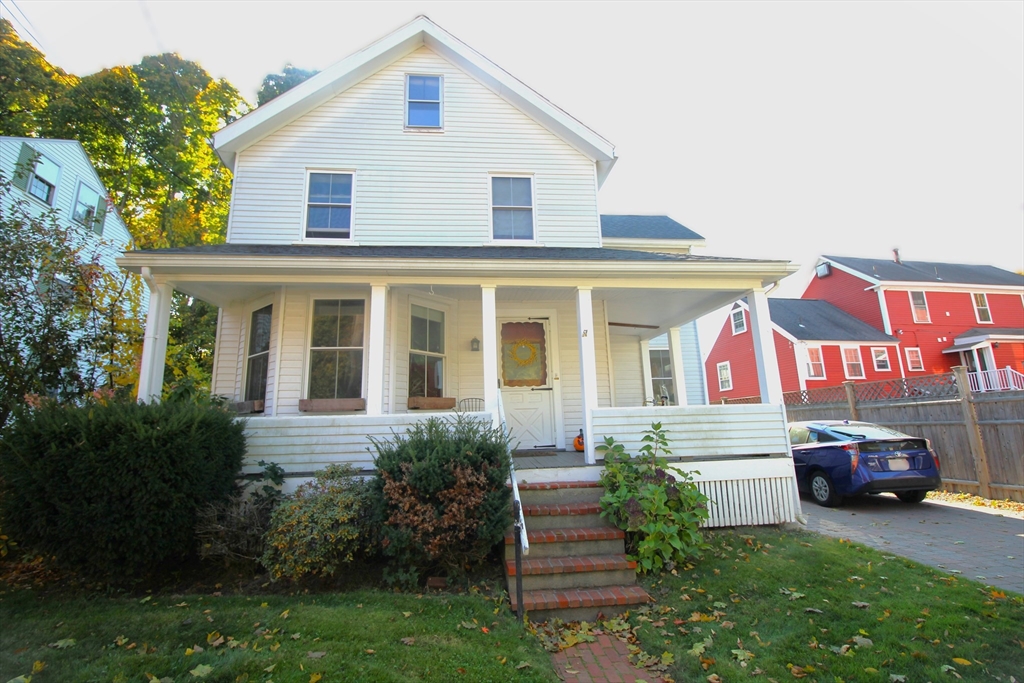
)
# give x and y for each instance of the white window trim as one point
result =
(743, 321)
(913, 310)
(74, 204)
(56, 186)
(336, 295)
(405, 105)
(910, 363)
(728, 372)
(874, 359)
(252, 307)
(671, 379)
(976, 310)
(350, 240)
(846, 366)
(447, 355)
(821, 355)
(490, 210)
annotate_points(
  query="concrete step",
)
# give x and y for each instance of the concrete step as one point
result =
(572, 572)
(556, 516)
(576, 542)
(553, 493)
(580, 604)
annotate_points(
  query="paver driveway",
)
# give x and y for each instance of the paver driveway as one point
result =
(981, 543)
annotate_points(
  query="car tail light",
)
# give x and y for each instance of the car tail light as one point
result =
(935, 457)
(854, 452)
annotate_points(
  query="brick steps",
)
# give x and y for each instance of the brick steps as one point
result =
(577, 567)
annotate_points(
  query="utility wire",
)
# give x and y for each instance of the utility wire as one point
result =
(21, 22)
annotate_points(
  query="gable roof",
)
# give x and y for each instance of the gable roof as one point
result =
(645, 227)
(887, 270)
(816, 320)
(339, 77)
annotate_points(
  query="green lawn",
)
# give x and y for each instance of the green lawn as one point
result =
(352, 636)
(769, 605)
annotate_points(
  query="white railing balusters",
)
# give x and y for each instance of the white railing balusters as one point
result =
(1003, 379)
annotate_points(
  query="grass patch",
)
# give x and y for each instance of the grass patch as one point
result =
(794, 605)
(354, 636)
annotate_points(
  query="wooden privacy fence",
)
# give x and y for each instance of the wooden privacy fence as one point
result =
(978, 435)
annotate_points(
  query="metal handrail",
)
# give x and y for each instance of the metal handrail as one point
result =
(522, 543)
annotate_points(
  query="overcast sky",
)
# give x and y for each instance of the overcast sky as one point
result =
(776, 130)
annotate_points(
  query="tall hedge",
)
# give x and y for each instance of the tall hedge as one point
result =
(114, 489)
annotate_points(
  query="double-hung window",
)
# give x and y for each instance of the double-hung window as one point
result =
(815, 364)
(852, 363)
(512, 207)
(724, 376)
(981, 308)
(661, 377)
(426, 352)
(258, 358)
(739, 321)
(919, 303)
(36, 175)
(914, 361)
(880, 356)
(423, 101)
(90, 208)
(336, 349)
(329, 206)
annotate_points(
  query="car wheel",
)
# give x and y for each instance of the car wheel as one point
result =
(911, 496)
(824, 491)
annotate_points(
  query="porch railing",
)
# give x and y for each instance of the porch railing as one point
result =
(522, 543)
(1004, 379)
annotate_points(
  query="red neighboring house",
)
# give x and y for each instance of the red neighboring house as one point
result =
(817, 345)
(943, 314)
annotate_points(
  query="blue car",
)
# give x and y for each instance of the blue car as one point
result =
(839, 458)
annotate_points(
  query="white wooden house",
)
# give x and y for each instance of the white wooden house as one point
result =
(415, 230)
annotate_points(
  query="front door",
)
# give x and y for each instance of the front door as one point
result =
(527, 390)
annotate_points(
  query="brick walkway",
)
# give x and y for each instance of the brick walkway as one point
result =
(606, 660)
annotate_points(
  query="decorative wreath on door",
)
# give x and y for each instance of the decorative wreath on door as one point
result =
(531, 349)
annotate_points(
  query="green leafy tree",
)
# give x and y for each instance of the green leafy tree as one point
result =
(68, 327)
(279, 84)
(27, 83)
(191, 337)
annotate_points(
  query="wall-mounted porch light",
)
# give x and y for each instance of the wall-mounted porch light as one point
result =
(474, 344)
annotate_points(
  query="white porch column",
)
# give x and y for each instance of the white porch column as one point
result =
(675, 352)
(154, 344)
(375, 352)
(588, 367)
(768, 377)
(489, 348)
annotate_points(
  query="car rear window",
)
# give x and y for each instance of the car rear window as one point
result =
(866, 431)
(894, 445)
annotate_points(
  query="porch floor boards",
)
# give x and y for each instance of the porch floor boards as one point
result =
(540, 460)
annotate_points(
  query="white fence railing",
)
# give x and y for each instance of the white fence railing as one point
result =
(1004, 379)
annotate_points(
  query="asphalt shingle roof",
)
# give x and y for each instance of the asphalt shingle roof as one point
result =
(930, 271)
(443, 253)
(646, 227)
(815, 320)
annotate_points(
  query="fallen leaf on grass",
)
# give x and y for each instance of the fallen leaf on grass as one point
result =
(406, 614)
(897, 678)
(315, 655)
(947, 669)
(463, 671)
(408, 641)
(523, 665)
(861, 605)
(811, 610)
(296, 636)
(714, 678)
(270, 668)
(38, 666)
(707, 662)
(284, 614)
(202, 671)
(862, 642)
(961, 661)
(315, 678)
(63, 643)
(370, 652)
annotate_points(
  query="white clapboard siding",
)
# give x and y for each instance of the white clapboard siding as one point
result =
(700, 431)
(628, 371)
(75, 169)
(225, 360)
(414, 188)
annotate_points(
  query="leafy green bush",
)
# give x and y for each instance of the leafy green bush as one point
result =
(113, 489)
(324, 525)
(442, 494)
(660, 512)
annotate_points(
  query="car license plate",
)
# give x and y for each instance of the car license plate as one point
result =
(898, 464)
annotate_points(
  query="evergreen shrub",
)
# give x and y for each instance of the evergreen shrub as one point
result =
(113, 489)
(442, 494)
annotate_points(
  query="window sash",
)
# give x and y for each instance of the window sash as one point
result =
(662, 384)
(915, 362)
(421, 109)
(981, 309)
(41, 189)
(919, 302)
(86, 204)
(724, 377)
(336, 348)
(329, 209)
(853, 364)
(815, 364)
(739, 322)
(512, 208)
(881, 359)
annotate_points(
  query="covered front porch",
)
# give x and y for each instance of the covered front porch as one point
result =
(324, 353)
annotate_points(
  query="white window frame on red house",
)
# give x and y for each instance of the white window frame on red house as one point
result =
(742, 326)
(914, 353)
(881, 353)
(847, 362)
(981, 306)
(811, 363)
(725, 385)
(914, 307)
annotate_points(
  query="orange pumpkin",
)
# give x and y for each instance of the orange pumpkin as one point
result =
(577, 443)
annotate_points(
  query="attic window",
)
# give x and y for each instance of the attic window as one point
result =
(36, 175)
(739, 321)
(423, 101)
(329, 206)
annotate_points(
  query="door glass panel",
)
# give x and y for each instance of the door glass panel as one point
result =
(523, 355)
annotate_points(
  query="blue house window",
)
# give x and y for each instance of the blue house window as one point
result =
(423, 101)
(329, 207)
